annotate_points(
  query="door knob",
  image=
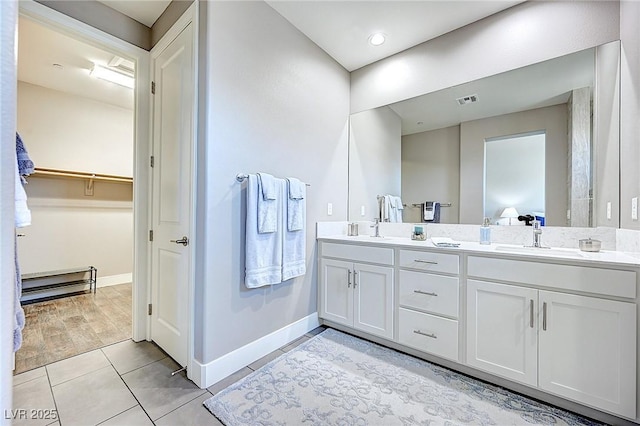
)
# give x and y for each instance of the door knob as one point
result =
(184, 241)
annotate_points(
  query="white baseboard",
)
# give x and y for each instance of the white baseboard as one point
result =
(212, 372)
(114, 280)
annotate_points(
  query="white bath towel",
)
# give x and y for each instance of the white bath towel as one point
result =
(294, 247)
(296, 204)
(396, 209)
(263, 251)
(385, 208)
(268, 190)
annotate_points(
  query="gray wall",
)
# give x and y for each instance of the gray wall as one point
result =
(104, 18)
(606, 135)
(629, 111)
(528, 33)
(275, 103)
(119, 25)
(374, 160)
(472, 135)
(171, 14)
(431, 172)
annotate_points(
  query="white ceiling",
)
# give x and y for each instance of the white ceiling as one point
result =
(342, 28)
(40, 47)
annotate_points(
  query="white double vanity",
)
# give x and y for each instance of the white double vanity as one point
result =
(547, 322)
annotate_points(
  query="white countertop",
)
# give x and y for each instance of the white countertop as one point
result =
(602, 258)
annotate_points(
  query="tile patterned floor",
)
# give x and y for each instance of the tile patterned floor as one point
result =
(125, 383)
(61, 328)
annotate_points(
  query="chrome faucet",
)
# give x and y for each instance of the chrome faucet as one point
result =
(537, 233)
(376, 226)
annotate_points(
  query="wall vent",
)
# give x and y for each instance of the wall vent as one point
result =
(467, 99)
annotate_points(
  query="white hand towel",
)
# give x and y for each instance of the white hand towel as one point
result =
(294, 247)
(263, 251)
(296, 204)
(267, 203)
(444, 242)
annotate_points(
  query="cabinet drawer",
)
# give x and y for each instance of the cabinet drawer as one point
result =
(383, 255)
(429, 261)
(428, 333)
(437, 294)
(611, 282)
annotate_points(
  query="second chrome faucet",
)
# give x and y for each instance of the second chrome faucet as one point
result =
(376, 226)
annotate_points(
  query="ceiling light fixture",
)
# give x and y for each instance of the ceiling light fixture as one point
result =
(377, 39)
(112, 76)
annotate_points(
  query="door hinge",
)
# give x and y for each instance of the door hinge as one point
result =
(153, 87)
(151, 235)
(152, 161)
(149, 309)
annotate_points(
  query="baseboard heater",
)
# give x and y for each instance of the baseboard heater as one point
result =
(45, 285)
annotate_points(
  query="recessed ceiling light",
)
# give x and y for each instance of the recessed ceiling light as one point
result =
(112, 76)
(376, 39)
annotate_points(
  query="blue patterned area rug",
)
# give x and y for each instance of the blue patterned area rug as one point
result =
(337, 379)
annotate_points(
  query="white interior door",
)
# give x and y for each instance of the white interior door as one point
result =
(172, 153)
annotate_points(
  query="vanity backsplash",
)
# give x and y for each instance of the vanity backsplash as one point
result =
(555, 236)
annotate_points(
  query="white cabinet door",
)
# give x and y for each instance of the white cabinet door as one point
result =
(336, 293)
(373, 290)
(588, 351)
(502, 330)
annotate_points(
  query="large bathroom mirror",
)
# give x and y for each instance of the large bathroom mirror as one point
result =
(434, 147)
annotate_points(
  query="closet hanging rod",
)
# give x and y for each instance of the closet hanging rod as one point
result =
(419, 205)
(80, 175)
(240, 177)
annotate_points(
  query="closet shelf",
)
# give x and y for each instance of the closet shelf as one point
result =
(80, 175)
(90, 177)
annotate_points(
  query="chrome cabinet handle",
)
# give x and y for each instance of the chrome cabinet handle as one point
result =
(430, 262)
(425, 292)
(184, 241)
(422, 333)
(355, 279)
(531, 313)
(544, 316)
(349, 280)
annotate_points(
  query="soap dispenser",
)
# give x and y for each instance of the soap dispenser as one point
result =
(485, 232)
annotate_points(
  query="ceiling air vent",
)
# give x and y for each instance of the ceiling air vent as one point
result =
(467, 99)
(125, 66)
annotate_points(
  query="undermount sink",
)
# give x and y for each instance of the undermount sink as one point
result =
(540, 250)
(367, 237)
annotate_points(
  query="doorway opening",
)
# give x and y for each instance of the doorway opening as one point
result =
(514, 178)
(80, 131)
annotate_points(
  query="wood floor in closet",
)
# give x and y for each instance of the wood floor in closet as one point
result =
(61, 328)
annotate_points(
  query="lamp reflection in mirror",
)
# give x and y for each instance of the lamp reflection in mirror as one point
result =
(510, 212)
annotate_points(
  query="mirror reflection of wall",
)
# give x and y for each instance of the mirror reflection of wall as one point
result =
(514, 178)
